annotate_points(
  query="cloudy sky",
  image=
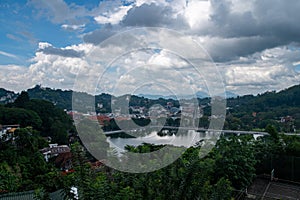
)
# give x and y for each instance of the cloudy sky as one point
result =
(103, 46)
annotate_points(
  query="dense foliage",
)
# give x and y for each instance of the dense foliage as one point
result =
(243, 112)
(42, 115)
(22, 166)
(248, 112)
(229, 168)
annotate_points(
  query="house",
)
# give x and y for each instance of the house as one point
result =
(102, 119)
(64, 161)
(8, 129)
(286, 119)
(54, 150)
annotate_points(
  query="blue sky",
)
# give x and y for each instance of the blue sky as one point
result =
(254, 44)
(23, 28)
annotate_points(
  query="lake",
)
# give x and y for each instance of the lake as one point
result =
(190, 138)
(187, 139)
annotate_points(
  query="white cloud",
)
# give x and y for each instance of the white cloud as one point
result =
(113, 17)
(254, 43)
(197, 13)
(71, 27)
(271, 69)
(8, 54)
(138, 3)
(161, 70)
(14, 77)
(47, 69)
(43, 45)
(47, 48)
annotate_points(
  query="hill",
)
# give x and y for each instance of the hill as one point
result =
(281, 109)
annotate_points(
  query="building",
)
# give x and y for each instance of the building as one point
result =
(54, 150)
(8, 130)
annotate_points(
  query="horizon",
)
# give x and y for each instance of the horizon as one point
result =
(148, 96)
(55, 43)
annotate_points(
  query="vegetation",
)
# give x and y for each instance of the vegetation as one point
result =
(22, 166)
(244, 112)
(42, 115)
(231, 166)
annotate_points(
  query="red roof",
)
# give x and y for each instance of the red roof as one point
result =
(101, 119)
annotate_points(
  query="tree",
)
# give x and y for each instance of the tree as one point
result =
(51, 116)
(20, 116)
(273, 132)
(41, 194)
(22, 100)
(222, 190)
(9, 181)
(26, 142)
(235, 160)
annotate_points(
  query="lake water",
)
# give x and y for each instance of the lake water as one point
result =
(187, 140)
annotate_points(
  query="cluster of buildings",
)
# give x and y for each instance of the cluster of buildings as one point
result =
(140, 112)
(61, 156)
(288, 123)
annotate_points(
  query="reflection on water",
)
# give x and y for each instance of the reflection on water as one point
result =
(190, 138)
(186, 138)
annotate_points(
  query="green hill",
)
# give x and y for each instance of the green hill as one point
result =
(281, 109)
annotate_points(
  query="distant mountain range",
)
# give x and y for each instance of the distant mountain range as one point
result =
(63, 98)
(199, 94)
(243, 112)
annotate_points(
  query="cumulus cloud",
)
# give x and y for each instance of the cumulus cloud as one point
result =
(272, 69)
(52, 68)
(147, 15)
(47, 48)
(262, 25)
(14, 77)
(254, 43)
(230, 29)
(154, 15)
(197, 13)
(97, 36)
(113, 17)
(227, 49)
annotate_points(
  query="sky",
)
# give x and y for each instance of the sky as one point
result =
(150, 46)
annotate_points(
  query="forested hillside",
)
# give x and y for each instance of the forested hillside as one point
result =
(281, 109)
(39, 114)
(223, 173)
